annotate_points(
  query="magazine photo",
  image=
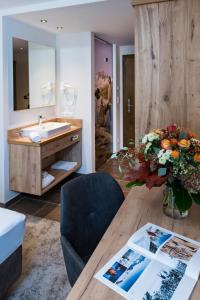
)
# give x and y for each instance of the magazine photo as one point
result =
(154, 264)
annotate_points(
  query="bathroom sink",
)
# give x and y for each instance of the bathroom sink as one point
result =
(45, 130)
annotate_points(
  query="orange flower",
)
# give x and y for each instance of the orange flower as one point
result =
(175, 154)
(197, 157)
(191, 134)
(159, 131)
(165, 144)
(174, 141)
(184, 143)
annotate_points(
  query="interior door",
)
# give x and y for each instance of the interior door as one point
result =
(128, 98)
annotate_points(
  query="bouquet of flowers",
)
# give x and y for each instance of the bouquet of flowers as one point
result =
(168, 156)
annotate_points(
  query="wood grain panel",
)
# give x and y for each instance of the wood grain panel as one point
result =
(193, 65)
(128, 99)
(59, 144)
(167, 43)
(146, 68)
(73, 153)
(172, 88)
(25, 169)
(142, 2)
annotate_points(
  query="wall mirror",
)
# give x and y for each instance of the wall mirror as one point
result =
(33, 75)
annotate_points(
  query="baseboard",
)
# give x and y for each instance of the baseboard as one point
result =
(10, 202)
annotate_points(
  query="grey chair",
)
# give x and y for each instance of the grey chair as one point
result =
(88, 205)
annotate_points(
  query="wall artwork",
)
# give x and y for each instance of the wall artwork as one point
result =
(103, 102)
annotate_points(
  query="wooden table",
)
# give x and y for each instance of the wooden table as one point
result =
(140, 207)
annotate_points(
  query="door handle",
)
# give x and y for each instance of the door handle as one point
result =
(129, 105)
(75, 137)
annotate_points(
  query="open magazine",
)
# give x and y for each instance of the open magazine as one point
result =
(154, 264)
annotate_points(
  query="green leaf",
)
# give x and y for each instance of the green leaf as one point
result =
(152, 167)
(183, 199)
(196, 198)
(125, 148)
(135, 183)
(162, 172)
(170, 180)
(131, 143)
(156, 150)
(114, 155)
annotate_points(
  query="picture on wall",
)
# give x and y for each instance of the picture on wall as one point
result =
(103, 102)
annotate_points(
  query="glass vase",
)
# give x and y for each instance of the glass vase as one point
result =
(169, 206)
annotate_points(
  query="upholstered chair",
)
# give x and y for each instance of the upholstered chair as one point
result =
(88, 205)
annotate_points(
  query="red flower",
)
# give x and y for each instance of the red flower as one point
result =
(141, 157)
(172, 128)
(155, 180)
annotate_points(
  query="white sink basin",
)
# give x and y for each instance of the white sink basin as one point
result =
(45, 130)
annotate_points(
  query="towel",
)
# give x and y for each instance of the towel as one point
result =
(35, 137)
(47, 179)
(64, 165)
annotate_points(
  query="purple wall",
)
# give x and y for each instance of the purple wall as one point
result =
(103, 51)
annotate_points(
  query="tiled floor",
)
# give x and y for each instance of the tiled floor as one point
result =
(48, 205)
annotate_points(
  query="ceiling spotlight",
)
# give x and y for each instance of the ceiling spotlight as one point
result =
(21, 48)
(59, 27)
(43, 21)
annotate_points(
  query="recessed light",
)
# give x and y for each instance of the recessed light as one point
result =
(21, 48)
(43, 21)
(59, 27)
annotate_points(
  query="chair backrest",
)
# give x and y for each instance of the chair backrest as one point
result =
(88, 205)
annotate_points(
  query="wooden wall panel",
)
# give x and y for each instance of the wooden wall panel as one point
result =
(172, 88)
(167, 43)
(142, 2)
(146, 67)
(193, 65)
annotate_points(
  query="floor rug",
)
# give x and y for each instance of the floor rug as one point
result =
(44, 275)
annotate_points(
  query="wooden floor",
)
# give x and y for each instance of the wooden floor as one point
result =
(48, 205)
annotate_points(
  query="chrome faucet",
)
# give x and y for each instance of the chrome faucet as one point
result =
(40, 120)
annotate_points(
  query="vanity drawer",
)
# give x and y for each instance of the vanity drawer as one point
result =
(60, 144)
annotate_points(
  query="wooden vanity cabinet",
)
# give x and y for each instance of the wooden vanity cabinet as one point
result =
(28, 159)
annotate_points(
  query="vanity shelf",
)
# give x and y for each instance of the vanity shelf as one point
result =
(59, 176)
(28, 159)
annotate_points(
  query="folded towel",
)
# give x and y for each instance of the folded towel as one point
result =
(44, 174)
(35, 137)
(47, 179)
(64, 165)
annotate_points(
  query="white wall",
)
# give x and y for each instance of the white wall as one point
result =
(123, 50)
(75, 63)
(1, 114)
(10, 118)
